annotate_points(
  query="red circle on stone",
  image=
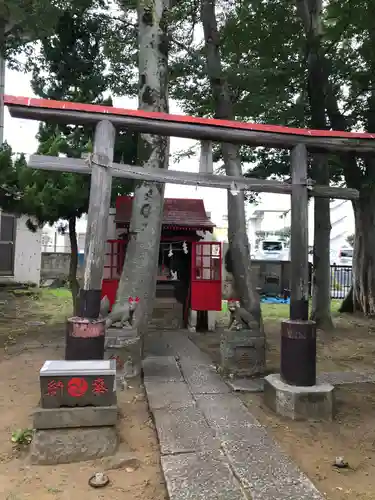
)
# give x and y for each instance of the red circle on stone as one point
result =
(77, 387)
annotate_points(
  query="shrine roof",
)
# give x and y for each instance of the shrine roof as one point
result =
(179, 213)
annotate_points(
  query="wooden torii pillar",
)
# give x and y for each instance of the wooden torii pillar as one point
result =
(298, 334)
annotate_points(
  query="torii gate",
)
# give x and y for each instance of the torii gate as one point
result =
(89, 331)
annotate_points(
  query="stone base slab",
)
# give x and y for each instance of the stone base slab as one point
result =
(63, 446)
(89, 416)
(247, 384)
(126, 332)
(315, 403)
(242, 355)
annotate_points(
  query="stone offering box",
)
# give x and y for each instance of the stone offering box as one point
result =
(78, 383)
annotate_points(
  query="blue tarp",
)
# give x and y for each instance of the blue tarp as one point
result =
(264, 299)
(81, 258)
(274, 300)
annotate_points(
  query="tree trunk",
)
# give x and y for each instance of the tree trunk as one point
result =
(321, 303)
(237, 236)
(2, 77)
(362, 295)
(139, 273)
(364, 258)
(310, 13)
(73, 265)
(349, 304)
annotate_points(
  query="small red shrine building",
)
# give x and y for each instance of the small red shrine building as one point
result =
(189, 268)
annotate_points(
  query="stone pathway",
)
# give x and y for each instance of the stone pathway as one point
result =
(212, 447)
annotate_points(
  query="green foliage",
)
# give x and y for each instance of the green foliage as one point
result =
(264, 53)
(22, 437)
(262, 66)
(9, 190)
(70, 66)
(24, 21)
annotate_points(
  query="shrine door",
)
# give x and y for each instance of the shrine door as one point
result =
(206, 286)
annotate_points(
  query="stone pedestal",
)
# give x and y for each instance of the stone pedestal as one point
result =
(241, 354)
(77, 417)
(316, 402)
(63, 446)
(124, 347)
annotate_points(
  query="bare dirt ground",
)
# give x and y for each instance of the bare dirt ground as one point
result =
(314, 446)
(31, 331)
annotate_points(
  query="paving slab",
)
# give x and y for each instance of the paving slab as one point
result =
(184, 347)
(200, 476)
(162, 369)
(225, 413)
(341, 378)
(156, 344)
(168, 395)
(183, 430)
(262, 467)
(201, 379)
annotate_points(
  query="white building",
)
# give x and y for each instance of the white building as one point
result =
(342, 223)
(20, 255)
(273, 215)
(54, 240)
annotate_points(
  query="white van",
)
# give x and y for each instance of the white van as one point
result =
(272, 249)
(342, 257)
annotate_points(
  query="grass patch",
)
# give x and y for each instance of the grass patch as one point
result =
(54, 304)
(60, 293)
(33, 312)
(273, 312)
(281, 311)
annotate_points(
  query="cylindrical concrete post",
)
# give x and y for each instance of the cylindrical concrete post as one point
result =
(298, 352)
(84, 339)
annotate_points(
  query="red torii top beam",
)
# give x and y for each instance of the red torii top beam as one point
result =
(216, 130)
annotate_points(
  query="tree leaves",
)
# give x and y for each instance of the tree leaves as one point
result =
(70, 65)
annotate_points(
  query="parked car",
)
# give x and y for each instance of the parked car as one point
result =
(272, 249)
(343, 257)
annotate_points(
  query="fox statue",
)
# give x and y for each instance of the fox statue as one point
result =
(240, 319)
(124, 315)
